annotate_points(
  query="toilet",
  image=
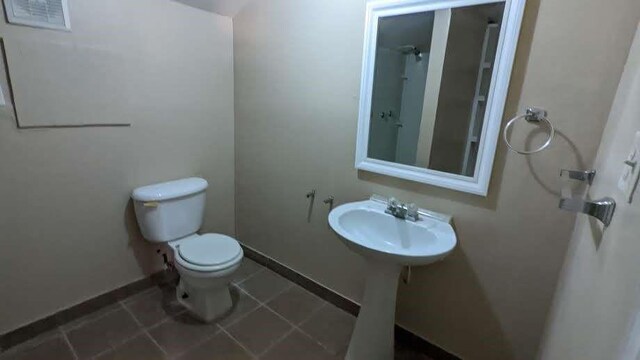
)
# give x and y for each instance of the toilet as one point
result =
(172, 212)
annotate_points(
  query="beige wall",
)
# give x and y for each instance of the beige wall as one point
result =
(595, 312)
(297, 84)
(67, 231)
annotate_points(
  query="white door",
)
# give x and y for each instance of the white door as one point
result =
(596, 312)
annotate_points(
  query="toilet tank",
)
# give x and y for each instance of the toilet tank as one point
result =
(170, 210)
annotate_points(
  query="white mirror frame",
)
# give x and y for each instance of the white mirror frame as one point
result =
(510, 29)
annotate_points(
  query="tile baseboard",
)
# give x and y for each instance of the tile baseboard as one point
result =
(402, 335)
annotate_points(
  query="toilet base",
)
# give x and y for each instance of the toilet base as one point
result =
(205, 303)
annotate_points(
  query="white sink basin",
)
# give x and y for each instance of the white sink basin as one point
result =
(366, 229)
(388, 244)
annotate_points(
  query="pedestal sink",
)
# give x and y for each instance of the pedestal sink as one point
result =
(387, 244)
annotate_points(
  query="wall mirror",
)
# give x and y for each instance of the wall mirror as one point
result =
(434, 83)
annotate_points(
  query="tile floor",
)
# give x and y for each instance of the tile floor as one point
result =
(272, 319)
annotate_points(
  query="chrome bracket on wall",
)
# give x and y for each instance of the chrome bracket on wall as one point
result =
(602, 209)
(580, 175)
(311, 195)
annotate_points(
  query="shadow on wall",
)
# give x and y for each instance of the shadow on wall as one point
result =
(553, 187)
(451, 310)
(144, 251)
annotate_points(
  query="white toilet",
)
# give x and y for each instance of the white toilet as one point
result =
(172, 212)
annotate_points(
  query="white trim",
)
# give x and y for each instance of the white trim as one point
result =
(509, 32)
(477, 96)
(12, 19)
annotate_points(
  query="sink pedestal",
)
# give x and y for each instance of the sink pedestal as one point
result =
(373, 336)
(387, 244)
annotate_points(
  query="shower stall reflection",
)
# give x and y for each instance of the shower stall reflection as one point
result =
(432, 79)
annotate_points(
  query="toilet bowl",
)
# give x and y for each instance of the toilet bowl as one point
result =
(172, 213)
(205, 264)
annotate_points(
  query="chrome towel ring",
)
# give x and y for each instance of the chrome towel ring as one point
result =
(533, 115)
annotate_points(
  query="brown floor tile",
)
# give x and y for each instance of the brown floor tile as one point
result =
(140, 347)
(96, 336)
(265, 285)
(220, 347)
(246, 269)
(331, 327)
(154, 306)
(180, 333)
(242, 305)
(52, 348)
(295, 304)
(297, 346)
(259, 330)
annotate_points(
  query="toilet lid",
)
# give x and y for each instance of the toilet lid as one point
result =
(209, 250)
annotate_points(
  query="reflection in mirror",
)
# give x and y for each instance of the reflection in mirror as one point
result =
(431, 83)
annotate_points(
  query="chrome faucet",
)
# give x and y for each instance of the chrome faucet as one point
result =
(402, 211)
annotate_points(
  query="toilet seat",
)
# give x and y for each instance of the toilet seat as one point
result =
(208, 253)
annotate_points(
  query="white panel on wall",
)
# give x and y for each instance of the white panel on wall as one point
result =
(66, 84)
(50, 14)
(3, 102)
(6, 98)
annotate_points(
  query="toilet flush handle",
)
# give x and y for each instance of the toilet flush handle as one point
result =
(150, 204)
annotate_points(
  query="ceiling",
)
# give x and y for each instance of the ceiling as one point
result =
(222, 7)
(411, 29)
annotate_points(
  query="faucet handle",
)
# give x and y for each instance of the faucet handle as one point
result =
(413, 212)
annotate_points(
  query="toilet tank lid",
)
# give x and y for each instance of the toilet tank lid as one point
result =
(170, 189)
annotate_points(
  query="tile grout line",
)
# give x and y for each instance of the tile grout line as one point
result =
(264, 304)
(140, 295)
(64, 331)
(105, 351)
(197, 344)
(66, 339)
(144, 330)
(166, 319)
(249, 276)
(294, 326)
(31, 343)
(122, 304)
(220, 328)
(240, 317)
(87, 321)
(278, 341)
(238, 342)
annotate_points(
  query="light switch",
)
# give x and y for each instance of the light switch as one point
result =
(628, 182)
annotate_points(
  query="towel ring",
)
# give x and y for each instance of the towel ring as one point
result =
(535, 115)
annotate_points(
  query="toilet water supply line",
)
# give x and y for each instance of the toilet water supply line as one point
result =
(168, 265)
(406, 276)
